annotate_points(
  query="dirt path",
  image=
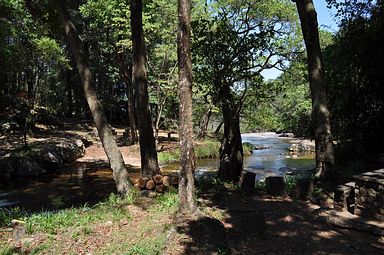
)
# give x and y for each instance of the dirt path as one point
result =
(291, 228)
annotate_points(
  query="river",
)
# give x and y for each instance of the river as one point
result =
(81, 183)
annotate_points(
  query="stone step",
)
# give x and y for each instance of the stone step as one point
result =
(347, 220)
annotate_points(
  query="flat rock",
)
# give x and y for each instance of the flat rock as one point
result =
(346, 220)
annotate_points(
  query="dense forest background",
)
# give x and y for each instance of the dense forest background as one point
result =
(231, 44)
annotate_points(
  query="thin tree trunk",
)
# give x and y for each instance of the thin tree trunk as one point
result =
(127, 76)
(204, 123)
(231, 151)
(320, 113)
(131, 107)
(69, 92)
(218, 128)
(149, 163)
(187, 155)
(120, 173)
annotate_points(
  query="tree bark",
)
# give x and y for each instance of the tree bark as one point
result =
(120, 173)
(149, 163)
(127, 77)
(204, 122)
(69, 91)
(320, 114)
(231, 151)
(187, 154)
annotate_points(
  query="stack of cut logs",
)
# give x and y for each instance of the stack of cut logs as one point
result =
(158, 183)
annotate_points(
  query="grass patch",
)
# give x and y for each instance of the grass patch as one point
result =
(51, 222)
(247, 149)
(205, 149)
(151, 235)
(206, 185)
(167, 201)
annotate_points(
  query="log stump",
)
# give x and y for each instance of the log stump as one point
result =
(303, 189)
(275, 185)
(247, 181)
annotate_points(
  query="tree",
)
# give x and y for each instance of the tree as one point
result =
(149, 163)
(120, 173)
(187, 155)
(320, 113)
(232, 47)
(354, 75)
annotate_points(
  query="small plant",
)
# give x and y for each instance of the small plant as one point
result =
(247, 149)
(7, 215)
(57, 202)
(290, 184)
(261, 185)
(167, 201)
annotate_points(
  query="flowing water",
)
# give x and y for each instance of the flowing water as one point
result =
(81, 183)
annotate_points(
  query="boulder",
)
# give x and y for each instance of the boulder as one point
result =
(287, 135)
(303, 146)
(50, 158)
(70, 150)
(261, 147)
(26, 167)
(6, 167)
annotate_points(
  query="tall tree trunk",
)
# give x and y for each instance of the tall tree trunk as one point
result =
(320, 114)
(187, 154)
(231, 151)
(149, 163)
(120, 173)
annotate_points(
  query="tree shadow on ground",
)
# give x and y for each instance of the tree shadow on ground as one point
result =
(290, 227)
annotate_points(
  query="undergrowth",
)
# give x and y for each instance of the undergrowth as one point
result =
(206, 149)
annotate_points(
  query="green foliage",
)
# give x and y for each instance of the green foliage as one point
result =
(355, 78)
(167, 201)
(54, 221)
(7, 215)
(206, 149)
(261, 185)
(205, 185)
(247, 149)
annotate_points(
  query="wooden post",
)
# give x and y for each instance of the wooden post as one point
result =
(275, 185)
(247, 181)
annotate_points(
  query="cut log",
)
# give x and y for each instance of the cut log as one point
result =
(166, 181)
(141, 182)
(275, 185)
(150, 185)
(247, 181)
(158, 178)
(159, 188)
(303, 189)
